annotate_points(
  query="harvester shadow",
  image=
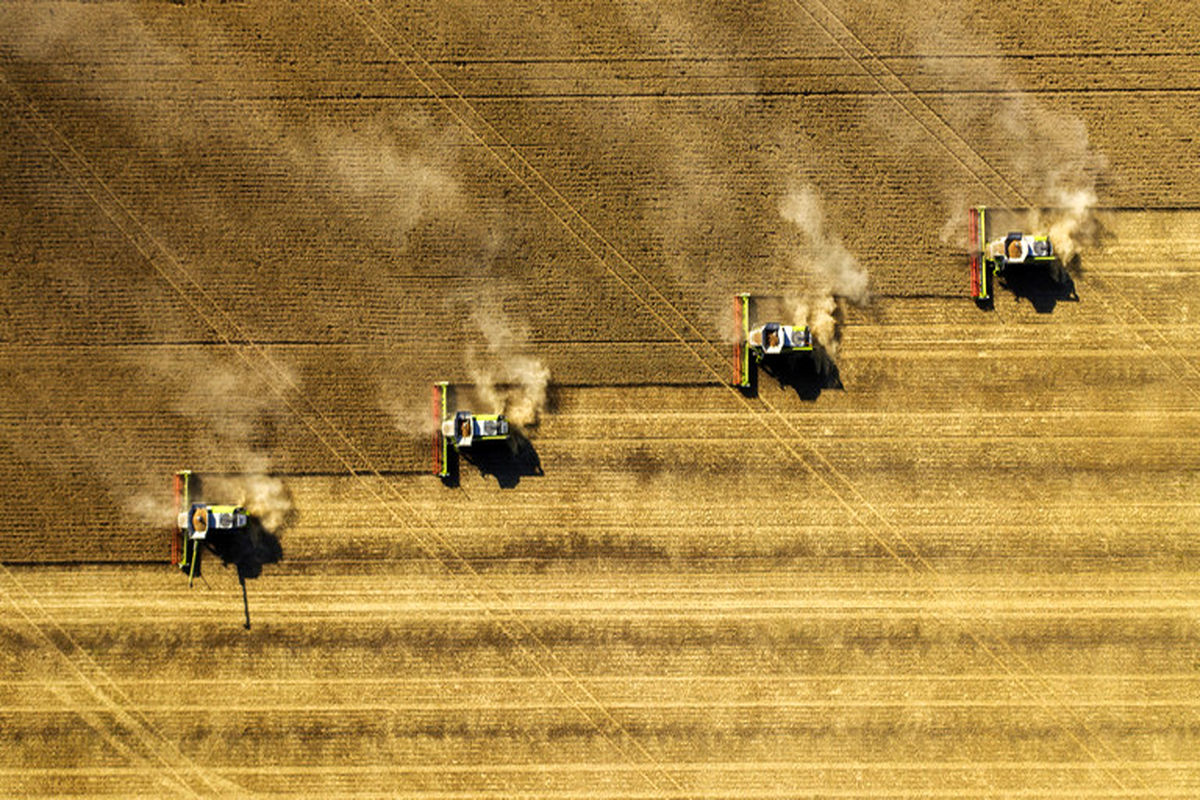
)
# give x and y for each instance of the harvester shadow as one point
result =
(808, 373)
(1043, 286)
(507, 462)
(250, 551)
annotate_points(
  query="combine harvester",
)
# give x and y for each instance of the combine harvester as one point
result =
(770, 339)
(991, 258)
(196, 522)
(461, 431)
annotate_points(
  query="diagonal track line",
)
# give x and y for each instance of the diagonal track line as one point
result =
(136, 723)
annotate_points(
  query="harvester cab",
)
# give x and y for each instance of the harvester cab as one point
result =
(462, 430)
(991, 257)
(196, 522)
(769, 339)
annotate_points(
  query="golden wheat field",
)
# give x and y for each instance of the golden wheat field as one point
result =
(951, 554)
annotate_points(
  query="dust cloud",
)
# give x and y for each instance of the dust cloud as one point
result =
(508, 379)
(362, 189)
(231, 418)
(262, 494)
(1045, 158)
(367, 185)
(152, 508)
(390, 177)
(1073, 223)
(832, 276)
(409, 415)
(1053, 157)
(233, 415)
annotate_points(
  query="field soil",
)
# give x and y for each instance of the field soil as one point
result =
(954, 554)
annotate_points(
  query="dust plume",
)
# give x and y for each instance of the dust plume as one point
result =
(262, 494)
(1073, 223)
(233, 187)
(507, 379)
(234, 416)
(387, 181)
(153, 508)
(1045, 158)
(363, 188)
(1054, 160)
(832, 276)
(407, 414)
